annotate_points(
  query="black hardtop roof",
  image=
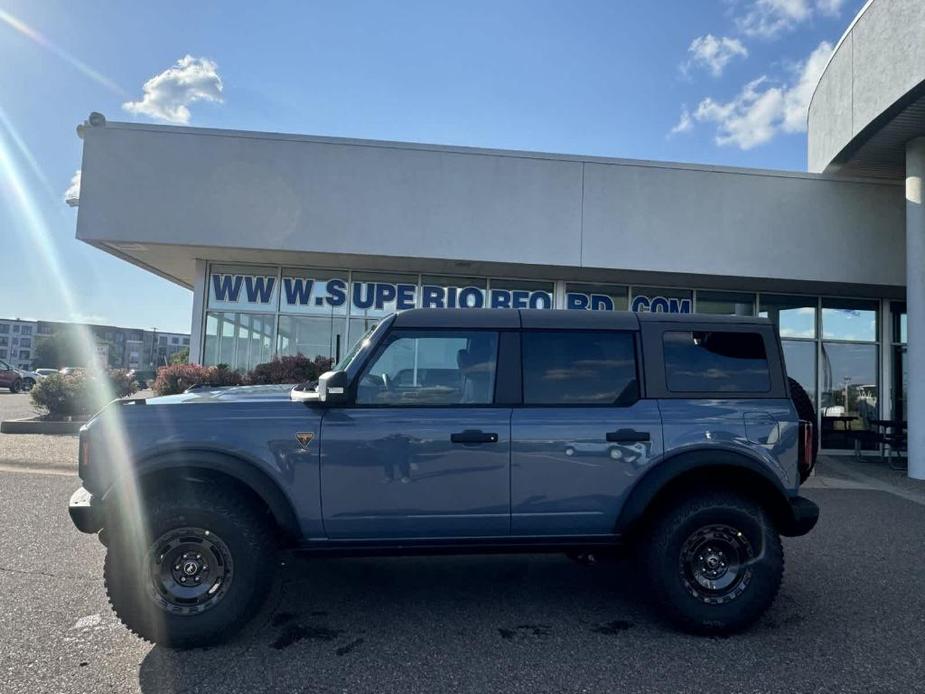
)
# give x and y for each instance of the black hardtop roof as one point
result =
(553, 318)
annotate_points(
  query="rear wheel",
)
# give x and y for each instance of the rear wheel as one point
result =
(715, 562)
(205, 569)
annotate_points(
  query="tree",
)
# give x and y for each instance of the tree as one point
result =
(180, 356)
(61, 348)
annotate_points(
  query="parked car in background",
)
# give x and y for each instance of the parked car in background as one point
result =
(68, 370)
(142, 377)
(17, 380)
(46, 372)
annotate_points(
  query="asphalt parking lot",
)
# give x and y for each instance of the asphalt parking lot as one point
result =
(850, 616)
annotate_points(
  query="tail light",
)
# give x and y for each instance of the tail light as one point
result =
(805, 452)
(83, 455)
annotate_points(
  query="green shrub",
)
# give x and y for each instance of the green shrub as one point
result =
(121, 381)
(178, 377)
(80, 393)
(289, 369)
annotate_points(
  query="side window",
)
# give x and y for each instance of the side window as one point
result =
(432, 368)
(723, 362)
(579, 368)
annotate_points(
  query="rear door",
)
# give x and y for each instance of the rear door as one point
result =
(722, 384)
(583, 433)
(424, 452)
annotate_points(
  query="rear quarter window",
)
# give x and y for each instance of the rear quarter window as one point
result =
(700, 361)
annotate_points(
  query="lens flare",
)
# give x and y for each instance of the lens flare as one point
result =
(25, 152)
(29, 221)
(76, 63)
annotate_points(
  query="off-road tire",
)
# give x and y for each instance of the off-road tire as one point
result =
(807, 412)
(130, 571)
(16, 386)
(687, 603)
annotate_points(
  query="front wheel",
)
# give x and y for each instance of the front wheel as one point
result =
(715, 562)
(205, 567)
(27, 384)
(16, 386)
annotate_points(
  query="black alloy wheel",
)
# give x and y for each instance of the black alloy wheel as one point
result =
(191, 570)
(715, 563)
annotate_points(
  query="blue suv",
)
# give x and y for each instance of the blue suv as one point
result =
(678, 437)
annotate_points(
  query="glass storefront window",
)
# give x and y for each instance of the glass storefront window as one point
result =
(900, 362)
(374, 295)
(795, 316)
(800, 359)
(520, 294)
(854, 320)
(235, 288)
(898, 314)
(312, 336)
(597, 297)
(240, 340)
(314, 292)
(453, 292)
(726, 303)
(662, 300)
(850, 395)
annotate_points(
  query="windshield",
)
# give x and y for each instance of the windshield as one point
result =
(357, 346)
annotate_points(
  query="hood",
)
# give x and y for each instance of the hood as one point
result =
(205, 394)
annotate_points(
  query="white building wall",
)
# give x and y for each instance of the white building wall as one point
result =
(149, 189)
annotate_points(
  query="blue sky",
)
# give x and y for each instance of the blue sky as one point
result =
(721, 82)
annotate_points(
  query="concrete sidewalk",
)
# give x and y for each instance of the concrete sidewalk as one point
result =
(846, 472)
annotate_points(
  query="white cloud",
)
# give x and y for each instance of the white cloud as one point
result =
(685, 123)
(770, 18)
(761, 110)
(713, 53)
(72, 194)
(167, 96)
(830, 7)
(798, 96)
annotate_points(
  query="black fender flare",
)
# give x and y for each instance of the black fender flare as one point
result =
(738, 471)
(227, 464)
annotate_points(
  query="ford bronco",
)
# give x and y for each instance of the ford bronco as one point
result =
(678, 437)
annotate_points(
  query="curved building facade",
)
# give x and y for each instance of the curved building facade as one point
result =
(867, 118)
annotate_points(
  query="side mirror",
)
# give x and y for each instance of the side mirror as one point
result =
(332, 386)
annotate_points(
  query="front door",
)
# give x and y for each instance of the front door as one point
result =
(423, 452)
(582, 436)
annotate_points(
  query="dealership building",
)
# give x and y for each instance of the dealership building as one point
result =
(297, 244)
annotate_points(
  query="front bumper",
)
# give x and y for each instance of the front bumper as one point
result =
(85, 512)
(802, 517)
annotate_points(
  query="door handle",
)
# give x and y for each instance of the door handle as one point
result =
(627, 436)
(474, 436)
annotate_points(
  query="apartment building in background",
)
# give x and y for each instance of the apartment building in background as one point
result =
(17, 342)
(125, 348)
